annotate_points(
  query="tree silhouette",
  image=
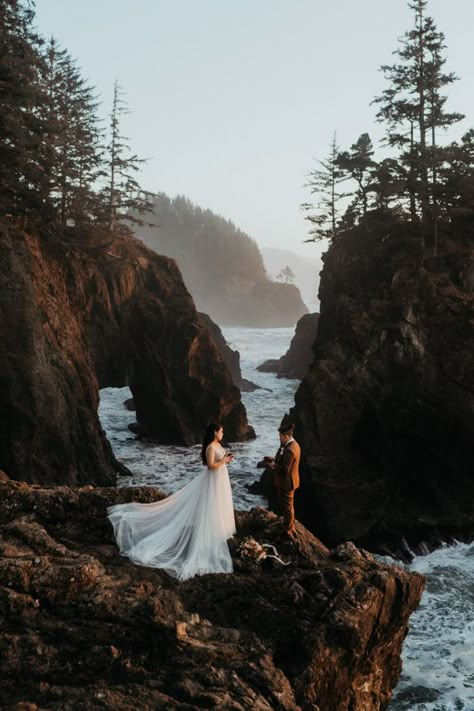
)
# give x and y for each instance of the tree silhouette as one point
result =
(413, 107)
(71, 137)
(122, 197)
(324, 182)
(357, 164)
(286, 275)
(22, 166)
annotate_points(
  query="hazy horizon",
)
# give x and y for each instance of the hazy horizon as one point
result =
(233, 102)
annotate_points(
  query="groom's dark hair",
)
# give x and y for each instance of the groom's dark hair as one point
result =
(209, 435)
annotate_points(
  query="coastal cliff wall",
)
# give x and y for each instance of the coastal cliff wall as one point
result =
(385, 415)
(78, 314)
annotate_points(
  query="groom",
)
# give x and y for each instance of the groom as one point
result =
(286, 476)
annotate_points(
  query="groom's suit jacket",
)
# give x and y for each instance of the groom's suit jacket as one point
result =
(286, 473)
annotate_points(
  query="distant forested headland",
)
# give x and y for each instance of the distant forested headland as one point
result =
(221, 265)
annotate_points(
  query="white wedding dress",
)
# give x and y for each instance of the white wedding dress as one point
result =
(186, 533)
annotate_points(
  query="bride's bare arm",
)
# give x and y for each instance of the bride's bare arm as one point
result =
(211, 459)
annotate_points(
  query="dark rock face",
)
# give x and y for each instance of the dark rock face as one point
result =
(84, 627)
(299, 356)
(77, 316)
(385, 415)
(231, 358)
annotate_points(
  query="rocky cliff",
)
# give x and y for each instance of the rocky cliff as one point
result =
(84, 628)
(386, 413)
(230, 357)
(299, 356)
(77, 314)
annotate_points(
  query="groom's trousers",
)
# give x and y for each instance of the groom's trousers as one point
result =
(287, 507)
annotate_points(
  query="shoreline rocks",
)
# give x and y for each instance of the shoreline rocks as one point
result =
(83, 626)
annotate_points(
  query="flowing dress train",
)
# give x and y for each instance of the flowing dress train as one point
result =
(186, 533)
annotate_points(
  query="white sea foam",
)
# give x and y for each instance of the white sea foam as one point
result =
(438, 653)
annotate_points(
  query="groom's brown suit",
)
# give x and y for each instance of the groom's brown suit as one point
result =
(287, 479)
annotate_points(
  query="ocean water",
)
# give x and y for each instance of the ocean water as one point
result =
(438, 653)
(170, 467)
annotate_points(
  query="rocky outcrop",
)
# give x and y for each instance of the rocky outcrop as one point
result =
(262, 304)
(76, 315)
(83, 627)
(299, 356)
(231, 358)
(385, 415)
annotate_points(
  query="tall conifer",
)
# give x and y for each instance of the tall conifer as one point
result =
(21, 162)
(413, 107)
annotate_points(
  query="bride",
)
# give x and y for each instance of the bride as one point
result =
(186, 533)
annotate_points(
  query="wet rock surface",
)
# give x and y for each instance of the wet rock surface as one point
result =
(299, 356)
(85, 628)
(230, 357)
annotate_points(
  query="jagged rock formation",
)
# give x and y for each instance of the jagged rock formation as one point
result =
(83, 627)
(76, 315)
(231, 358)
(385, 415)
(299, 356)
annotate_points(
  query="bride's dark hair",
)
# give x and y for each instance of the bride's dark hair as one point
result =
(209, 435)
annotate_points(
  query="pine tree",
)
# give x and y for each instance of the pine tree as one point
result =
(72, 137)
(357, 164)
(286, 275)
(324, 182)
(21, 162)
(386, 181)
(122, 196)
(413, 107)
(456, 187)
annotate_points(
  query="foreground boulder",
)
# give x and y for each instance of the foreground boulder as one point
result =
(83, 627)
(299, 356)
(78, 313)
(385, 415)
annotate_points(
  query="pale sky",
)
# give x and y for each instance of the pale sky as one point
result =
(232, 100)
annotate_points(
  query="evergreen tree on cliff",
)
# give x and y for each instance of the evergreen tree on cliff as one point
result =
(358, 165)
(71, 141)
(413, 107)
(22, 167)
(324, 182)
(122, 195)
(457, 175)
